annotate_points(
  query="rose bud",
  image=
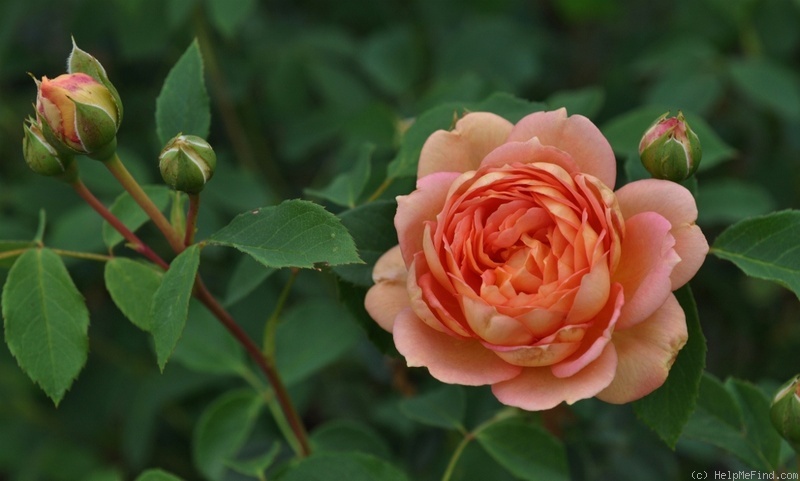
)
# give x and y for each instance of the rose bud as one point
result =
(785, 412)
(79, 111)
(187, 163)
(40, 155)
(80, 61)
(669, 149)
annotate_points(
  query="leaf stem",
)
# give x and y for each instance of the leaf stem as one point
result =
(500, 416)
(82, 255)
(117, 224)
(191, 219)
(265, 365)
(381, 189)
(15, 252)
(118, 170)
(271, 325)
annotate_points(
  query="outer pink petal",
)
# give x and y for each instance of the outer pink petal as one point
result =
(646, 353)
(677, 205)
(419, 206)
(448, 359)
(538, 389)
(462, 149)
(529, 152)
(576, 135)
(389, 295)
(645, 266)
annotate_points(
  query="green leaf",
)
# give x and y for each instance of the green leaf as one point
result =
(228, 15)
(443, 407)
(346, 188)
(46, 321)
(247, 276)
(372, 228)
(171, 303)
(8, 246)
(351, 466)
(586, 101)
(206, 346)
(157, 475)
(390, 59)
(296, 233)
(128, 211)
(256, 466)
(735, 417)
(222, 430)
(667, 409)
(525, 450)
(183, 105)
(303, 338)
(765, 247)
(625, 131)
(341, 435)
(725, 201)
(768, 84)
(132, 285)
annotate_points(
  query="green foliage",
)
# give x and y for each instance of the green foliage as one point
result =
(764, 247)
(132, 285)
(183, 105)
(170, 305)
(526, 450)
(351, 466)
(735, 417)
(332, 102)
(667, 409)
(222, 430)
(128, 211)
(46, 321)
(295, 233)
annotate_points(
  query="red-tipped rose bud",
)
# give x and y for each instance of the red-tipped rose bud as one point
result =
(187, 163)
(785, 412)
(41, 156)
(79, 111)
(670, 149)
(80, 61)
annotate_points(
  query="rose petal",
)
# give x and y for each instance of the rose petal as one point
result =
(646, 353)
(596, 338)
(419, 206)
(462, 149)
(389, 295)
(677, 205)
(645, 267)
(576, 135)
(448, 359)
(538, 389)
(528, 152)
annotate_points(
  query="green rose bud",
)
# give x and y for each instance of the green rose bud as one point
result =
(187, 163)
(670, 149)
(41, 156)
(80, 113)
(785, 412)
(80, 61)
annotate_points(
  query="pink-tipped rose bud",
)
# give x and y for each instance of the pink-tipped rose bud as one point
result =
(785, 412)
(670, 149)
(80, 112)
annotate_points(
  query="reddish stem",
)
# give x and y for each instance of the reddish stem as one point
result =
(117, 224)
(281, 394)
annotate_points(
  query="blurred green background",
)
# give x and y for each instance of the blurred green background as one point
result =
(297, 88)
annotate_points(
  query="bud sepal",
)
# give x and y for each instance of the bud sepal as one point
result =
(670, 149)
(187, 163)
(785, 412)
(42, 157)
(80, 61)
